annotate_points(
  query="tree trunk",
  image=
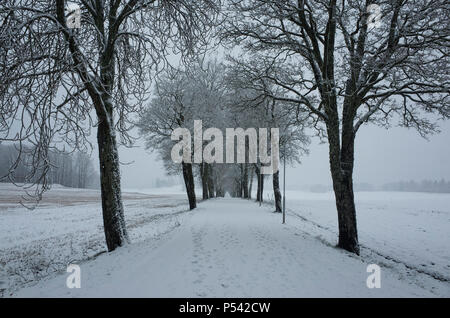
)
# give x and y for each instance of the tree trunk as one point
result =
(189, 183)
(204, 177)
(345, 204)
(113, 213)
(258, 188)
(276, 191)
(245, 181)
(251, 183)
(341, 166)
(210, 179)
(262, 187)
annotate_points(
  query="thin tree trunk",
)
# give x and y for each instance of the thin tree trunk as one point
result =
(240, 181)
(189, 183)
(245, 181)
(251, 183)
(113, 213)
(262, 188)
(276, 191)
(204, 177)
(258, 182)
(241, 190)
(210, 174)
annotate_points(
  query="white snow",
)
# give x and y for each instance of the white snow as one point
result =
(232, 247)
(67, 227)
(226, 247)
(410, 228)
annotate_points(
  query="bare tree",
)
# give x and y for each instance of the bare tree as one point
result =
(253, 104)
(173, 107)
(53, 77)
(194, 92)
(345, 70)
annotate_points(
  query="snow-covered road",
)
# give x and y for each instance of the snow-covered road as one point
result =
(231, 248)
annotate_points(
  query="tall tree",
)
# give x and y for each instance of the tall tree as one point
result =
(53, 76)
(345, 70)
(174, 106)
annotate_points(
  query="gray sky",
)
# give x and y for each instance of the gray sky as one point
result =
(381, 156)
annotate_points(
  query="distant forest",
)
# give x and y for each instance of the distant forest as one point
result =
(441, 186)
(433, 186)
(168, 182)
(73, 169)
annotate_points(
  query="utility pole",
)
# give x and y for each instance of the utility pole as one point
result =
(260, 185)
(284, 184)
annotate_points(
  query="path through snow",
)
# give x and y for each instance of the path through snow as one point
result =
(229, 248)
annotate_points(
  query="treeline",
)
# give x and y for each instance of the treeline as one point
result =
(161, 183)
(441, 186)
(432, 186)
(67, 169)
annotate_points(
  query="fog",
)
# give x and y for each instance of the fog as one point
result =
(381, 156)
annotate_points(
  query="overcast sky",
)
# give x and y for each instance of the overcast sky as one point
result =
(381, 156)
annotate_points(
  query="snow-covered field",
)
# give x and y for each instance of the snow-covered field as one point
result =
(67, 227)
(227, 247)
(410, 228)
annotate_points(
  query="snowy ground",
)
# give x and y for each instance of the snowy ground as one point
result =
(67, 227)
(409, 228)
(230, 247)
